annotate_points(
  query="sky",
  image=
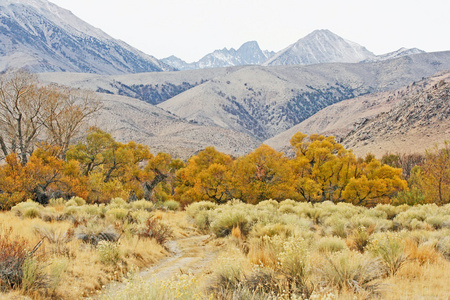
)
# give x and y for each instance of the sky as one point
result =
(190, 29)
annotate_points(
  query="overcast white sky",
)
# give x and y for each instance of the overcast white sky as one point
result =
(190, 29)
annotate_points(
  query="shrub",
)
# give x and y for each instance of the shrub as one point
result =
(172, 205)
(443, 247)
(109, 252)
(224, 222)
(94, 233)
(34, 276)
(56, 237)
(331, 244)
(193, 209)
(117, 213)
(227, 277)
(76, 201)
(154, 228)
(390, 249)
(359, 239)
(12, 256)
(353, 271)
(142, 205)
(28, 209)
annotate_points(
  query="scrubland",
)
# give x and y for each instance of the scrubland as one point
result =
(71, 250)
(272, 250)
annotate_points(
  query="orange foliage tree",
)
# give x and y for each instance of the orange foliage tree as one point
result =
(261, 175)
(206, 177)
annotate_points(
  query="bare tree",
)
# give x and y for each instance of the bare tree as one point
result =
(66, 111)
(29, 111)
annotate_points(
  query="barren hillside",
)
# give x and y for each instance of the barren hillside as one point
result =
(341, 118)
(127, 119)
(417, 122)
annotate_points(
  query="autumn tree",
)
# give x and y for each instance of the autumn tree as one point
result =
(206, 177)
(325, 170)
(378, 183)
(435, 181)
(44, 176)
(29, 112)
(158, 176)
(261, 175)
(322, 167)
(113, 168)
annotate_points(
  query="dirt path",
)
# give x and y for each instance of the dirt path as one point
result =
(190, 255)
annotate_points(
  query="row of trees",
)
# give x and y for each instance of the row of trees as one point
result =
(322, 169)
(99, 168)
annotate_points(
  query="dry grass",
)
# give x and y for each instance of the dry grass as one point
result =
(421, 281)
(79, 268)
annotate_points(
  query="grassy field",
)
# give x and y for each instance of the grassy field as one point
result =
(272, 250)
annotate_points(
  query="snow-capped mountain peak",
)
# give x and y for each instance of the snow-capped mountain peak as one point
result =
(45, 37)
(320, 46)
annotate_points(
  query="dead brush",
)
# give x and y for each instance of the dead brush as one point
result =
(12, 255)
(93, 234)
(421, 252)
(154, 228)
(57, 238)
(18, 266)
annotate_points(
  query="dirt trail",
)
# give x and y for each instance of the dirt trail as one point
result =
(190, 255)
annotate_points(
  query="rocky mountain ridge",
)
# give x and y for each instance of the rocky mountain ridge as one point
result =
(43, 37)
(265, 101)
(347, 120)
(320, 46)
(248, 54)
(415, 123)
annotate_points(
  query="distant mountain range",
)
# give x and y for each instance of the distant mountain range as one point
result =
(256, 100)
(43, 37)
(248, 54)
(320, 46)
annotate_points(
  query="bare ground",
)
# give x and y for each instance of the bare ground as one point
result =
(189, 255)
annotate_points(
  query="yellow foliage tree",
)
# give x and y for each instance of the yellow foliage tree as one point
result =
(206, 177)
(325, 170)
(435, 174)
(261, 175)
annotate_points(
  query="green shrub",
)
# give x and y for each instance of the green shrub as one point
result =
(76, 201)
(353, 271)
(117, 213)
(28, 209)
(142, 205)
(443, 246)
(390, 249)
(56, 202)
(172, 205)
(118, 203)
(331, 244)
(108, 252)
(34, 276)
(224, 222)
(193, 209)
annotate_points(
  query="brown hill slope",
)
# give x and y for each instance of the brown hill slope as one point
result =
(417, 122)
(341, 118)
(127, 119)
(265, 101)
